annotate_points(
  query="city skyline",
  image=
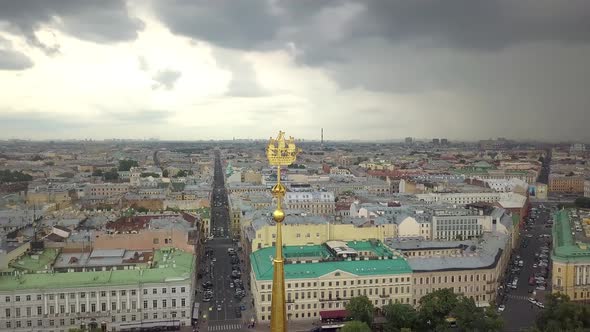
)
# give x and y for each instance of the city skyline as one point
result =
(376, 70)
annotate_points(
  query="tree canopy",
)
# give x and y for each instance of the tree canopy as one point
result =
(8, 176)
(361, 309)
(355, 326)
(146, 174)
(399, 316)
(582, 202)
(111, 175)
(434, 313)
(561, 314)
(126, 164)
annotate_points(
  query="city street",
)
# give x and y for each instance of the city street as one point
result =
(519, 313)
(221, 308)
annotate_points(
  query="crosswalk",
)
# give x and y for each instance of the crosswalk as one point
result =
(224, 327)
(518, 297)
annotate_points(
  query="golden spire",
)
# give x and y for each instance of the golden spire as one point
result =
(280, 152)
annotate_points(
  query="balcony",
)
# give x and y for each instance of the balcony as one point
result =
(97, 314)
(384, 296)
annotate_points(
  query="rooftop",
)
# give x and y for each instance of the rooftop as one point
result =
(36, 262)
(168, 265)
(384, 265)
(565, 247)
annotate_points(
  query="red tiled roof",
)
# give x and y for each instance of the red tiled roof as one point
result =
(333, 314)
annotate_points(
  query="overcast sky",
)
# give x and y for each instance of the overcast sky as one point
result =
(367, 69)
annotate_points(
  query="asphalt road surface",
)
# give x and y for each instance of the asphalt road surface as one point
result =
(520, 313)
(221, 311)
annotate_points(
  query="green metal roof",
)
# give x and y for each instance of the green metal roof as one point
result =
(565, 248)
(31, 263)
(262, 266)
(204, 212)
(178, 265)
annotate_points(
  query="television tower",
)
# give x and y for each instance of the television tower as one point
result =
(322, 141)
(280, 152)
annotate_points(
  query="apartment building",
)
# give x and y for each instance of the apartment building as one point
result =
(559, 183)
(312, 202)
(105, 190)
(117, 292)
(320, 279)
(587, 188)
(305, 230)
(469, 198)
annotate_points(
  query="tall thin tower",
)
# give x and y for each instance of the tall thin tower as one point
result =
(280, 152)
(322, 141)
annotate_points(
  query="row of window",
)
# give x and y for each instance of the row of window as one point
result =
(445, 279)
(72, 321)
(93, 307)
(458, 290)
(82, 295)
(39, 323)
(344, 283)
(329, 295)
(329, 305)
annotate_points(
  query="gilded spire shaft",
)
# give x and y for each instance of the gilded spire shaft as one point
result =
(280, 152)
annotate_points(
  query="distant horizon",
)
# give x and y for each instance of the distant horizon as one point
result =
(304, 140)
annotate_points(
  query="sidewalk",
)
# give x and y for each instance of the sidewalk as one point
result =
(292, 326)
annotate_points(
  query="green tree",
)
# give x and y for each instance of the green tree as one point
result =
(472, 318)
(111, 175)
(152, 174)
(399, 316)
(8, 176)
(435, 308)
(360, 308)
(560, 314)
(97, 172)
(356, 326)
(126, 164)
(141, 209)
(165, 173)
(181, 174)
(582, 202)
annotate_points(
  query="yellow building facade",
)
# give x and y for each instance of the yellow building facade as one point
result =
(571, 259)
(307, 234)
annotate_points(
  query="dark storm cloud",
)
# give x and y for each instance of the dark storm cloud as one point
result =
(166, 79)
(479, 25)
(227, 23)
(11, 59)
(98, 21)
